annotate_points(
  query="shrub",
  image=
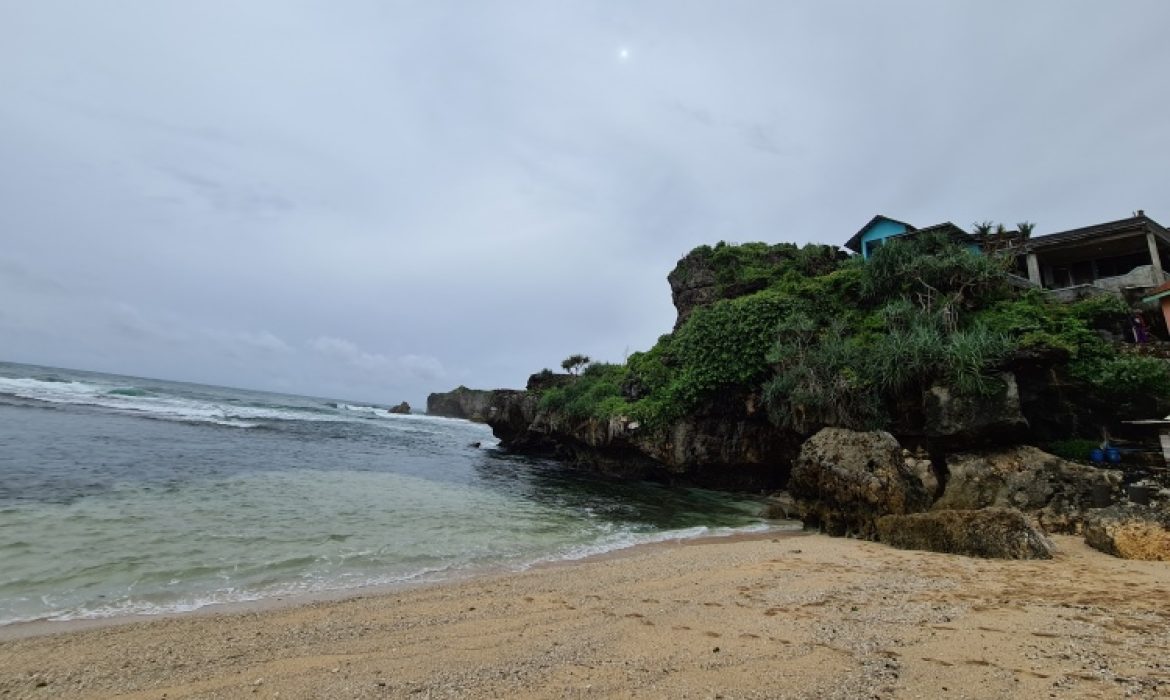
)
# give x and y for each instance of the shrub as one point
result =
(590, 395)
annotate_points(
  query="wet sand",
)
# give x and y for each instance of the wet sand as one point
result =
(777, 617)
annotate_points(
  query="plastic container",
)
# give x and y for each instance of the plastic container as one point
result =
(1097, 456)
(1112, 455)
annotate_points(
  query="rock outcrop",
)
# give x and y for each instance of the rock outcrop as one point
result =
(963, 420)
(729, 445)
(1130, 531)
(471, 404)
(844, 480)
(692, 284)
(1057, 491)
(402, 408)
(994, 533)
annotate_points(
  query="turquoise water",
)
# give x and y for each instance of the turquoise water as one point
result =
(121, 495)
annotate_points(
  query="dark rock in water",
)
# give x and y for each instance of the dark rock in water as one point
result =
(844, 480)
(470, 404)
(400, 408)
(960, 420)
(1057, 491)
(995, 533)
(1130, 531)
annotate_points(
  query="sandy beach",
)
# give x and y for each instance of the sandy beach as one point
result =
(796, 616)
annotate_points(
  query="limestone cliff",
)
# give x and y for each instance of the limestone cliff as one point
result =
(729, 444)
(461, 402)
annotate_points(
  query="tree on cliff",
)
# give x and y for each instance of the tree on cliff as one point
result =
(574, 363)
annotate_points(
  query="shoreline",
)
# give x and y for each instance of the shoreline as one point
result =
(766, 616)
(36, 628)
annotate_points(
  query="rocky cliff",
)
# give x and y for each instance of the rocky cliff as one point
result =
(730, 444)
(470, 404)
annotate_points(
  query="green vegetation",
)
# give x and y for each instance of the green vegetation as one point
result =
(830, 341)
(573, 363)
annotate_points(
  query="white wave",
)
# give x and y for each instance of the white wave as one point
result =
(233, 596)
(152, 404)
(626, 538)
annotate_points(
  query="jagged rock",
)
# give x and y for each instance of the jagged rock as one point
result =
(962, 419)
(1059, 492)
(548, 379)
(461, 402)
(844, 480)
(692, 284)
(1130, 531)
(995, 533)
(729, 444)
(401, 408)
(920, 465)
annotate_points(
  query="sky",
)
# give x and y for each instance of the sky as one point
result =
(375, 200)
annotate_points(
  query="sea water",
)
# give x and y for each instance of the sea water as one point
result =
(123, 495)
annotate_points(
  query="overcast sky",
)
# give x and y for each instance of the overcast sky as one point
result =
(375, 200)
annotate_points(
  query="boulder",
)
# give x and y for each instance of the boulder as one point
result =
(993, 533)
(843, 480)
(400, 408)
(1130, 531)
(1057, 491)
(961, 419)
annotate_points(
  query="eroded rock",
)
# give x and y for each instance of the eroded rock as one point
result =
(963, 419)
(844, 480)
(1057, 491)
(994, 533)
(1130, 531)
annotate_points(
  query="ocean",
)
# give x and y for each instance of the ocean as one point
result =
(128, 496)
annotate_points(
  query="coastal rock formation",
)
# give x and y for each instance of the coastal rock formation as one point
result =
(726, 446)
(401, 408)
(970, 419)
(844, 480)
(471, 404)
(994, 533)
(1059, 492)
(692, 284)
(1130, 531)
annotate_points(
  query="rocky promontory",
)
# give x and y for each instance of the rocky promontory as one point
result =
(469, 404)
(922, 380)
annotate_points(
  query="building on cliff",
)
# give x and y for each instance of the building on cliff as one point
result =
(1124, 257)
(882, 229)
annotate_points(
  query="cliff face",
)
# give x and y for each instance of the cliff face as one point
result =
(462, 402)
(729, 444)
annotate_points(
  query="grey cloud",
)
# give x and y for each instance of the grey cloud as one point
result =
(375, 200)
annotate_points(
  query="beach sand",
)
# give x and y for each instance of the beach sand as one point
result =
(796, 616)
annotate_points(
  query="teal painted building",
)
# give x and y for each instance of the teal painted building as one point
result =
(882, 229)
